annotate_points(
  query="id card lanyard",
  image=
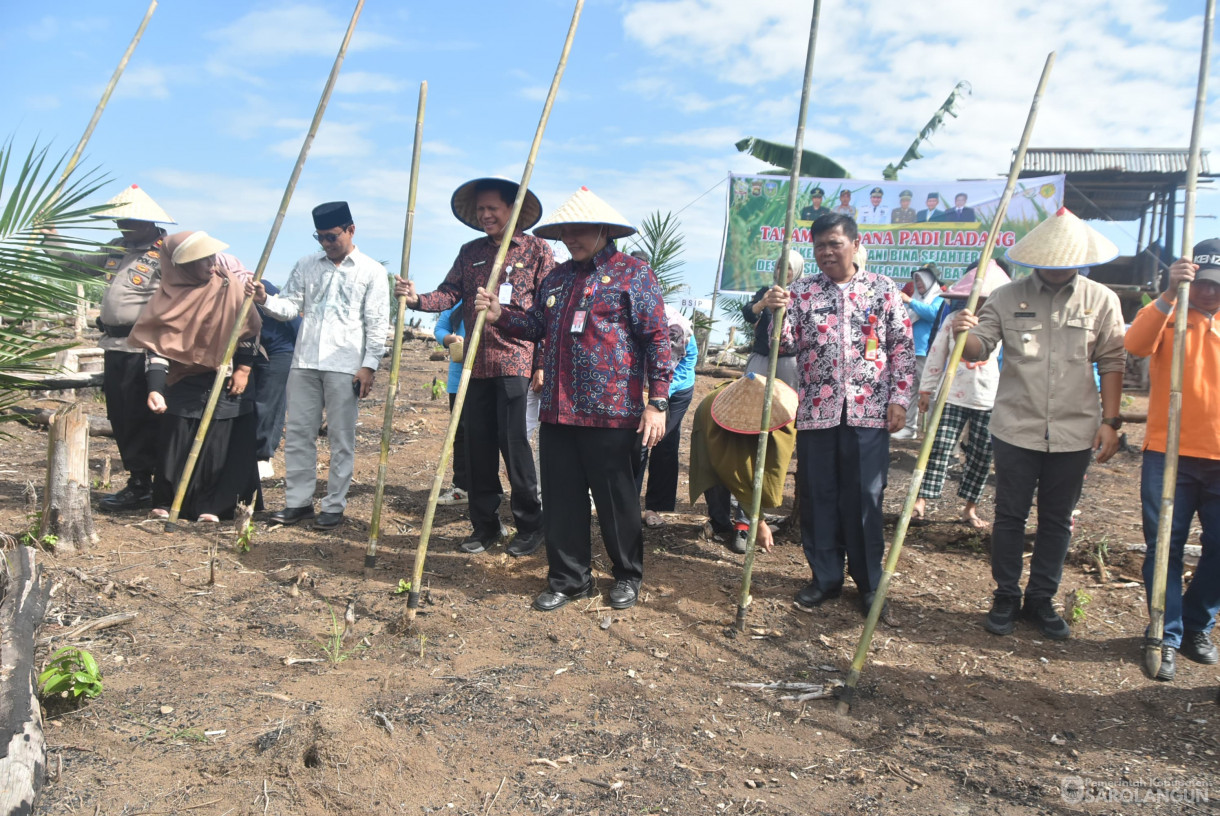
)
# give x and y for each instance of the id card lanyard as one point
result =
(580, 317)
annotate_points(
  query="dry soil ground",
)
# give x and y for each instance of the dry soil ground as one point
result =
(488, 707)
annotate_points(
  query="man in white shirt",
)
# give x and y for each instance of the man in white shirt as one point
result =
(343, 297)
(875, 212)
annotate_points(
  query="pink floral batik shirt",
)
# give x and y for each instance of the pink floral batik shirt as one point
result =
(853, 346)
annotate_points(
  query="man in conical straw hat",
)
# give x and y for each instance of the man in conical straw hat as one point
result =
(602, 315)
(1190, 616)
(505, 366)
(132, 265)
(855, 367)
(1054, 324)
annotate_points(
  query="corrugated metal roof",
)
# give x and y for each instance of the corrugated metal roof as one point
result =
(1109, 159)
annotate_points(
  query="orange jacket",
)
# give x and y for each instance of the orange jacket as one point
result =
(1151, 335)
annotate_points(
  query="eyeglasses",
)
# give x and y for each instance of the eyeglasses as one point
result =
(328, 237)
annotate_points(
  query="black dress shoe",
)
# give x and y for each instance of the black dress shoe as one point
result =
(327, 521)
(813, 596)
(291, 515)
(524, 544)
(477, 543)
(1198, 646)
(624, 595)
(550, 601)
(136, 495)
(1167, 671)
(866, 605)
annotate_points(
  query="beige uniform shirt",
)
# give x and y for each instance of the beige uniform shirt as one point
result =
(1047, 399)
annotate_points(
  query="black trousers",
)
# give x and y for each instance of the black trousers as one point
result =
(271, 400)
(125, 385)
(1058, 478)
(574, 462)
(494, 420)
(841, 473)
(662, 464)
(461, 468)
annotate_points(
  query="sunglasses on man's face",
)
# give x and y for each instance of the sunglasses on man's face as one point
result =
(327, 237)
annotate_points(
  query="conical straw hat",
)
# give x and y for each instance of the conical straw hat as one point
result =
(585, 208)
(996, 277)
(1062, 241)
(135, 205)
(463, 203)
(739, 407)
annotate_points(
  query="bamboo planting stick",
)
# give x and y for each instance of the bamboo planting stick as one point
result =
(925, 450)
(777, 324)
(476, 332)
(387, 425)
(1164, 527)
(222, 370)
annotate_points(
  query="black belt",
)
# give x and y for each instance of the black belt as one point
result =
(113, 331)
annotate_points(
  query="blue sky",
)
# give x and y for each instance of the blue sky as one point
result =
(216, 100)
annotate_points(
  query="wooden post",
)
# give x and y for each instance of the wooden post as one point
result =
(23, 746)
(66, 513)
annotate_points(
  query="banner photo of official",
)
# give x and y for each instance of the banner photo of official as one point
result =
(904, 225)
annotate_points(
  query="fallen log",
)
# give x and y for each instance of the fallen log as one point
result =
(63, 382)
(98, 426)
(721, 372)
(23, 747)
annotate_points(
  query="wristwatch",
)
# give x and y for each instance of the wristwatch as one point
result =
(1113, 422)
(660, 404)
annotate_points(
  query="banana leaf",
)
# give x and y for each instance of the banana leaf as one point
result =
(813, 165)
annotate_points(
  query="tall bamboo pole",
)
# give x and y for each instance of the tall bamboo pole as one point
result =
(980, 275)
(476, 333)
(223, 369)
(110, 86)
(777, 324)
(387, 425)
(1164, 527)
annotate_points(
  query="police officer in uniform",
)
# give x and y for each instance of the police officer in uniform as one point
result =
(132, 265)
(875, 212)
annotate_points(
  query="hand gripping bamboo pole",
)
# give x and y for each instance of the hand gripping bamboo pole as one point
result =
(476, 332)
(1164, 528)
(387, 425)
(110, 86)
(777, 323)
(222, 370)
(925, 450)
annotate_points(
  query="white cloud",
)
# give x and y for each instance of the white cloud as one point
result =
(141, 82)
(335, 140)
(44, 29)
(367, 82)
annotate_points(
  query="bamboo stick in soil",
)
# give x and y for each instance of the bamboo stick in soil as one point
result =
(777, 323)
(387, 425)
(222, 370)
(891, 559)
(1164, 528)
(476, 332)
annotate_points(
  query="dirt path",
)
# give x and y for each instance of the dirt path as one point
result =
(489, 707)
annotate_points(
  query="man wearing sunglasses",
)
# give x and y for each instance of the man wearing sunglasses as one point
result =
(343, 298)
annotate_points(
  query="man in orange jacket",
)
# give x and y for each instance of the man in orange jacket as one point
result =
(1189, 617)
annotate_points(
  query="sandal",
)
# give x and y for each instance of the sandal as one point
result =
(208, 518)
(653, 519)
(159, 513)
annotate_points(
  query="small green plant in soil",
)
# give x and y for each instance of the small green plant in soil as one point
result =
(1080, 602)
(332, 644)
(404, 586)
(72, 673)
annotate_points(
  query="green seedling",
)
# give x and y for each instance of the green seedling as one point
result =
(437, 388)
(332, 644)
(71, 673)
(404, 586)
(1080, 601)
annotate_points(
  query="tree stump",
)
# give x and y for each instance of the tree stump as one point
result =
(23, 747)
(66, 513)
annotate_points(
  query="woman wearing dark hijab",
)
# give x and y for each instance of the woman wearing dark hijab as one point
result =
(186, 327)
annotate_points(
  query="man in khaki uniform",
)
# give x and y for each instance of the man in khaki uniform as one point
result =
(132, 265)
(1054, 324)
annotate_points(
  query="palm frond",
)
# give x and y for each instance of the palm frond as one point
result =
(951, 107)
(812, 164)
(660, 238)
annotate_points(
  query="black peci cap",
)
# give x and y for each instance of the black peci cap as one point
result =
(332, 214)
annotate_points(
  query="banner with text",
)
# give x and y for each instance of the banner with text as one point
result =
(903, 224)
